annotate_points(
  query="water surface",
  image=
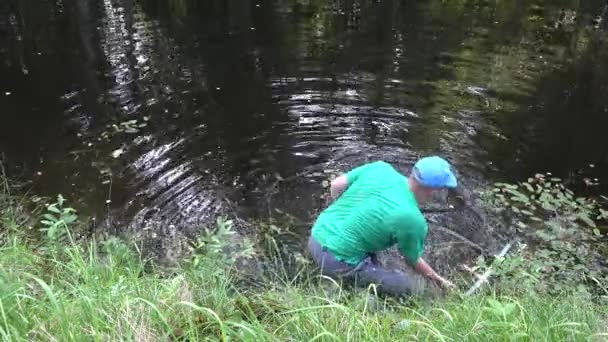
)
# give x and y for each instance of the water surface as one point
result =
(179, 111)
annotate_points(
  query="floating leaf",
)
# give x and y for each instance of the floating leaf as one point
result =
(128, 123)
(587, 220)
(548, 206)
(516, 193)
(520, 199)
(596, 232)
(526, 212)
(117, 153)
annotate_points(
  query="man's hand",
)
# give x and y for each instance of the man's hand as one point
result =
(444, 283)
(426, 270)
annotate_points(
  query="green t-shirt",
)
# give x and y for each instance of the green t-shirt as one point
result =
(376, 211)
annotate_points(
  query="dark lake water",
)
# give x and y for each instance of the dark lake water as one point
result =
(181, 110)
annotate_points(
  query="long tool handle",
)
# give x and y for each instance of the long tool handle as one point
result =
(488, 273)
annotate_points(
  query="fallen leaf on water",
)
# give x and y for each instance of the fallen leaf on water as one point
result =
(118, 153)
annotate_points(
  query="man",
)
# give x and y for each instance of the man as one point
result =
(374, 207)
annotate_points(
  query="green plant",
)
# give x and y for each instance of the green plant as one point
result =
(56, 224)
(500, 310)
(93, 291)
(561, 234)
(222, 242)
(543, 197)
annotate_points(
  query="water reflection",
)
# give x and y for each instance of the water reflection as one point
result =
(226, 95)
(561, 130)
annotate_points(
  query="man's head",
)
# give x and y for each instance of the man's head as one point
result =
(431, 174)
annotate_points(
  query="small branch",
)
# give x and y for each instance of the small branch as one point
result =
(484, 277)
(462, 238)
(472, 271)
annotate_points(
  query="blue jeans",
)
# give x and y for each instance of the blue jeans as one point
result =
(368, 271)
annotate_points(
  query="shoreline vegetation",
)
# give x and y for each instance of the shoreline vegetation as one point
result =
(56, 288)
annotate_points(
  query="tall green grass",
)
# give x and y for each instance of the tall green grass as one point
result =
(106, 293)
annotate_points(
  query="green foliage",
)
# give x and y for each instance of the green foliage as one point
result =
(279, 245)
(87, 297)
(56, 224)
(502, 311)
(221, 242)
(541, 198)
(103, 292)
(561, 234)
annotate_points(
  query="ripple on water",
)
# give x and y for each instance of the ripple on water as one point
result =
(323, 119)
(176, 191)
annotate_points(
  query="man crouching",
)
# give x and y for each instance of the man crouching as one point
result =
(374, 207)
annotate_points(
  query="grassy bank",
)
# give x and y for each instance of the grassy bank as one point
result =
(106, 293)
(54, 288)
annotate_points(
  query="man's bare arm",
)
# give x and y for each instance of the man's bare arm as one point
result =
(338, 185)
(426, 270)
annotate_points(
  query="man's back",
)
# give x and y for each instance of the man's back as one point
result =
(376, 211)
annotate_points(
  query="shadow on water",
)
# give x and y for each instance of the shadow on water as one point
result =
(560, 128)
(164, 115)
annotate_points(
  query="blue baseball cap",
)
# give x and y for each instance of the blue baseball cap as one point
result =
(434, 172)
